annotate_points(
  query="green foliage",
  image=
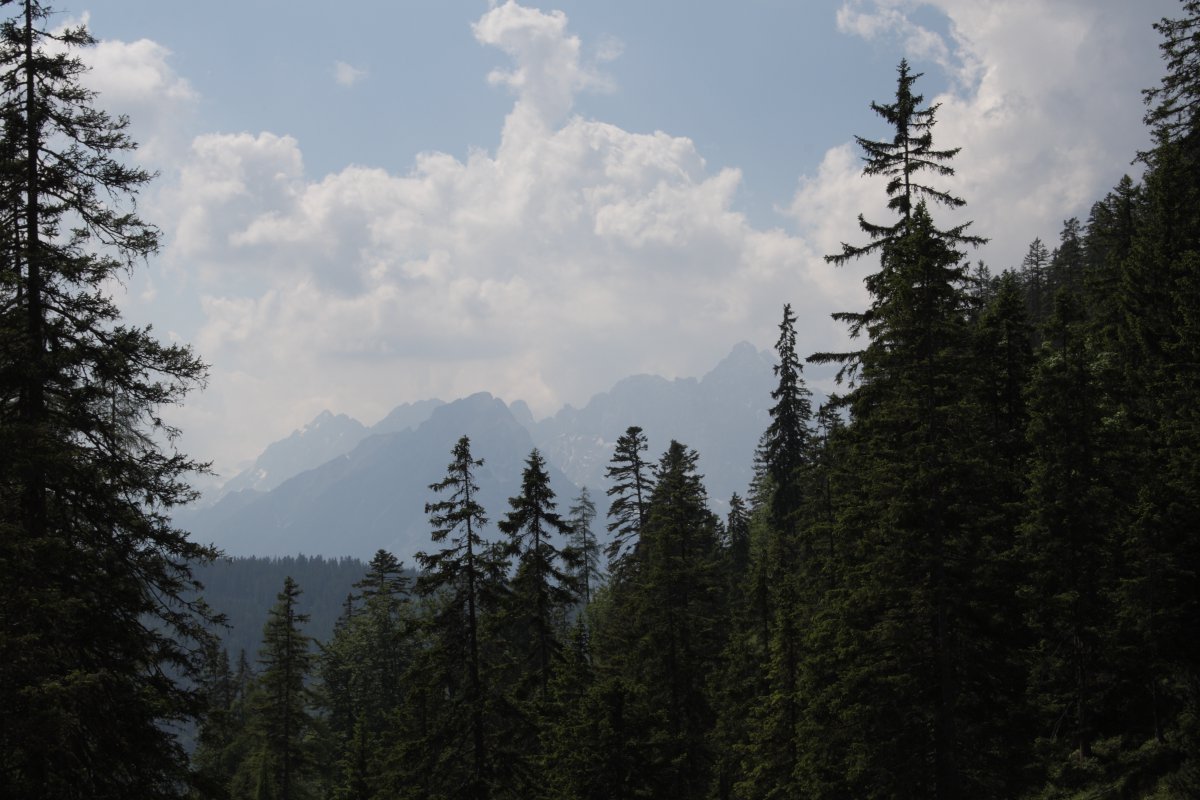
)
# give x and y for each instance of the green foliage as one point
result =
(632, 481)
(100, 643)
(281, 761)
(584, 556)
(469, 574)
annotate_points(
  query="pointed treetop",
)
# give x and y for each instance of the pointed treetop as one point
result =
(904, 159)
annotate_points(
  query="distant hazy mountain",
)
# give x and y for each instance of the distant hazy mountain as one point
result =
(721, 416)
(375, 495)
(326, 437)
(337, 488)
(406, 415)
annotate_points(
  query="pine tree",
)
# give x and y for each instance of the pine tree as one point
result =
(905, 627)
(1035, 276)
(281, 763)
(585, 550)
(468, 574)
(674, 616)
(541, 591)
(632, 481)
(99, 644)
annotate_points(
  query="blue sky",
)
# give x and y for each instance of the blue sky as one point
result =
(366, 203)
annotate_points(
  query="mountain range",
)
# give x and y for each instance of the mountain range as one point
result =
(339, 488)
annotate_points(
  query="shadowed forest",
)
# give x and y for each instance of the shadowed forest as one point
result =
(972, 573)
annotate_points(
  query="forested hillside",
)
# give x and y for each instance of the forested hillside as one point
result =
(974, 572)
(244, 590)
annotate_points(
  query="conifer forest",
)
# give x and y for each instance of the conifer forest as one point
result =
(973, 573)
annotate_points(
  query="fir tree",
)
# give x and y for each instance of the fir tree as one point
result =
(281, 763)
(632, 481)
(674, 622)
(906, 628)
(541, 587)
(469, 574)
(100, 645)
(585, 550)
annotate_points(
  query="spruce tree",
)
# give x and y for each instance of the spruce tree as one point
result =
(788, 571)
(674, 615)
(281, 764)
(541, 589)
(1068, 542)
(585, 550)
(906, 628)
(101, 647)
(468, 577)
(1035, 275)
(632, 481)
(362, 675)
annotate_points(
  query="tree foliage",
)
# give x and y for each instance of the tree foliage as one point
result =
(101, 640)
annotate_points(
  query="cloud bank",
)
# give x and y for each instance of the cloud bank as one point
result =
(578, 252)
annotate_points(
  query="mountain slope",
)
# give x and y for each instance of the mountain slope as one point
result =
(721, 416)
(375, 495)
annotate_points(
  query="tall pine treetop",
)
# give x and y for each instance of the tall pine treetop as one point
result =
(1174, 105)
(903, 159)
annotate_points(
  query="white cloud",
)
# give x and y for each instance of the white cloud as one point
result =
(547, 72)
(575, 254)
(578, 252)
(1044, 101)
(347, 75)
(136, 79)
(887, 18)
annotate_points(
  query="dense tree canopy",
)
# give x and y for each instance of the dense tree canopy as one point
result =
(98, 643)
(973, 573)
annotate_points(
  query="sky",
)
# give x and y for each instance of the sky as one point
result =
(372, 202)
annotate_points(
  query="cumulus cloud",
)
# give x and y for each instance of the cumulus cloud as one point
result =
(137, 79)
(347, 75)
(887, 18)
(577, 252)
(547, 71)
(1043, 100)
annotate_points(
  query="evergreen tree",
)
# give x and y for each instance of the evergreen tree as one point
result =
(541, 591)
(1174, 105)
(907, 631)
(788, 586)
(673, 621)
(1035, 275)
(737, 538)
(100, 647)
(785, 443)
(469, 574)
(281, 764)
(1068, 539)
(1067, 262)
(632, 481)
(574, 740)
(585, 550)
(903, 159)
(221, 741)
(362, 672)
